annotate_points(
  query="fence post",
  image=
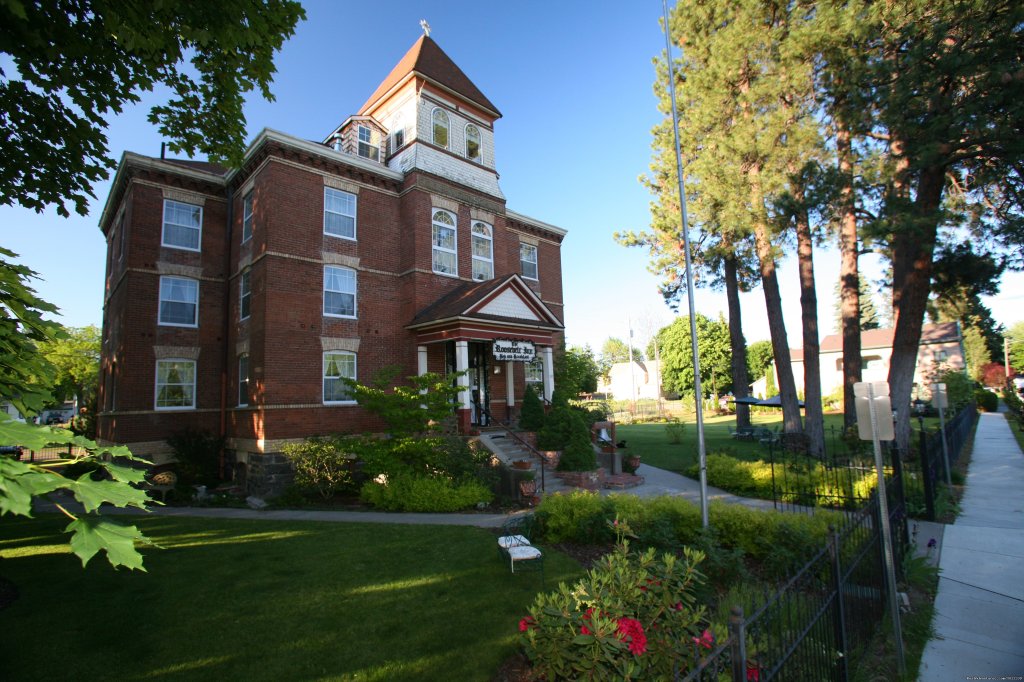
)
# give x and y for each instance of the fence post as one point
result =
(926, 475)
(900, 537)
(738, 646)
(69, 450)
(839, 619)
(775, 494)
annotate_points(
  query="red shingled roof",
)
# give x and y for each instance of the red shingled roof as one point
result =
(430, 61)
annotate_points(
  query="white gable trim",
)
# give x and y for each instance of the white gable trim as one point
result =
(509, 304)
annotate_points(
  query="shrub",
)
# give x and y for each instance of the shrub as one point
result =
(197, 454)
(531, 417)
(322, 465)
(633, 616)
(987, 400)
(675, 430)
(557, 429)
(578, 454)
(421, 494)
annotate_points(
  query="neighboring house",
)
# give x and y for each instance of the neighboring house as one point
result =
(238, 299)
(632, 381)
(940, 346)
(11, 411)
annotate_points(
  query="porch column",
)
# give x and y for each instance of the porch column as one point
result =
(549, 372)
(461, 366)
(510, 390)
(421, 360)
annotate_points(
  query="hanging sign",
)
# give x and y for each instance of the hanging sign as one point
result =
(513, 350)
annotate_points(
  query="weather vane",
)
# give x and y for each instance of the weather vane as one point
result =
(425, 26)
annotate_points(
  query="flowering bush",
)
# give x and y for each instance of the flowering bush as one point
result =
(632, 617)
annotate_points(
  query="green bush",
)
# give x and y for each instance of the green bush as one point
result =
(407, 493)
(774, 540)
(531, 417)
(987, 400)
(322, 465)
(634, 616)
(675, 430)
(557, 428)
(578, 454)
(197, 454)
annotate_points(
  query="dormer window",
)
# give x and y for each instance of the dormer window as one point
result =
(397, 133)
(440, 126)
(368, 148)
(472, 143)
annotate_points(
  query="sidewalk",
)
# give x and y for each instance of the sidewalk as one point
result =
(979, 609)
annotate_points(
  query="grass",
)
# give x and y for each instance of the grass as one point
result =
(266, 600)
(651, 441)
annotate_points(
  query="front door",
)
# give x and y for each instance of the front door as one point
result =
(478, 383)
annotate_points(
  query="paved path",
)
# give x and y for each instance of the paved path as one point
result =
(979, 609)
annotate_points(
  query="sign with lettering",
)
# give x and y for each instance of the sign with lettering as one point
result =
(515, 351)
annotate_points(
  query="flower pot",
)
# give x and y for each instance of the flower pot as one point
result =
(631, 464)
(521, 464)
(552, 457)
(528, 488)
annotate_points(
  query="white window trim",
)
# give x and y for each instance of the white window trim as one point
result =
(156, 386)
(163, 226)
(354, 216)
(540, 364)
(323, 374)
(244, 356)
(535, 260)
(160, 302)
(369, 142)
(247, 218)
(447, 126)
(354, 292)
(454, 227)
(246, 276)
(397, 128)
(490, 239)
(480, 144)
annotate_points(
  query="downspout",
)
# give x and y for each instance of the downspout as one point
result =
(227, 326)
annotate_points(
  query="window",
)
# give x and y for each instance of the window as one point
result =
(243, 379)
(339, 292)
(339, 365)
(528, 258)
(941, 356)
(472, 143)
(483, 252)
(535, 375)
(339, 213)
(182, 225)
(440, 127)
(368, 147)
(179, 302)
(397, 133)
(444, 253)
(175, 384)
(247, 218)
(122, 227)
(244, 294)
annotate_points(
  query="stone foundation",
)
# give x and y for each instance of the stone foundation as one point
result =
(267, 475)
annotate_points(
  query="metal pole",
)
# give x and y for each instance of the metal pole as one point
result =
(887, 549)
(698, 391)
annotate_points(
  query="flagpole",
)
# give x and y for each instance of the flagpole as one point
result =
(697, 390)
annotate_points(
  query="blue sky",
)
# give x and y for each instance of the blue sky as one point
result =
(574, 83)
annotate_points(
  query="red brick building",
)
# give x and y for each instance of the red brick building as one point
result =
(237, 298)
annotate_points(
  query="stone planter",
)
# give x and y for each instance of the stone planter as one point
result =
(528, 488)
(588, 480)
(631, 464)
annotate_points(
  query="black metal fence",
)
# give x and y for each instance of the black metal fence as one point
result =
(51, 454)
(826, 611)
(926, 472)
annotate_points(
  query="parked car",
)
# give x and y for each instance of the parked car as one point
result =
(11, 451)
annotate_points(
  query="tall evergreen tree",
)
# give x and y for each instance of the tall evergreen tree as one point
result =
(869, 315)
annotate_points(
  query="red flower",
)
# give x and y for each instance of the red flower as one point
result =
(526, 623)
(584, 630)
(706, 639)
(753, 672)
(679, 606)
(634, 630)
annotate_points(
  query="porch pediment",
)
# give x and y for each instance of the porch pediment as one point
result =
(502, 302)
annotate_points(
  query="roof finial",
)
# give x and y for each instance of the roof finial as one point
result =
(425, 26)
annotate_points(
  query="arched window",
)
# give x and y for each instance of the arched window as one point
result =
(483, 252)
(472, 142)
(440, 126)
(445, 259)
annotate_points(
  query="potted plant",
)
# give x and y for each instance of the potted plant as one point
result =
(522, 464)
(528, 485)
(630, 463)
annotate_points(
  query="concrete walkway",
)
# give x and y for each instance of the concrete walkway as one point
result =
(979, 609)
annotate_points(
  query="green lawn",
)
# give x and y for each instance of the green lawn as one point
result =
(651, 441)
(266, 600)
